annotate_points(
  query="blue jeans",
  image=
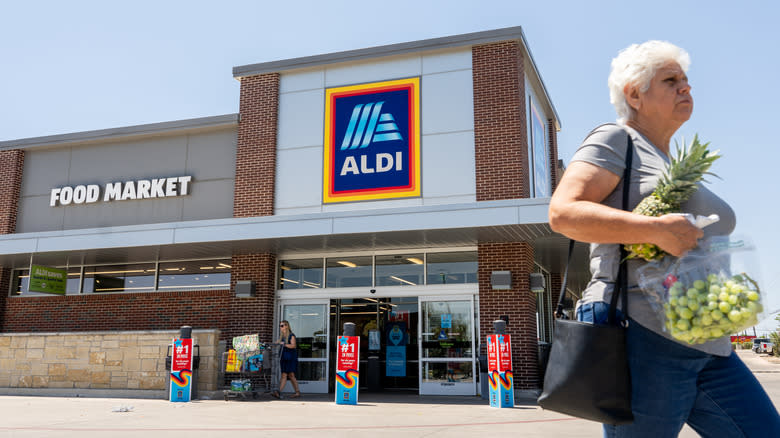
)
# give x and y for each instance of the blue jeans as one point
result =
(673, 385)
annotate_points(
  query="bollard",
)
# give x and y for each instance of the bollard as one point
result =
(347, 366)
(500, 378)
(182, 378)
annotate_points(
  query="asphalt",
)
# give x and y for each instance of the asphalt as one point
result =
(376, 415)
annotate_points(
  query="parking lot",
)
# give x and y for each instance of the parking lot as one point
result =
(376, 415)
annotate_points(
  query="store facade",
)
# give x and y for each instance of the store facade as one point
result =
(402, 188)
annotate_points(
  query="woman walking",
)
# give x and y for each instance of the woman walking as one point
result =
(289, 360)
(706, 385)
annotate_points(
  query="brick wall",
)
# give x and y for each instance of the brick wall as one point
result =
(256, 314)
(11, 169)
(518, 303)
(500, 139)
(140, 311)
(256, 149)
(157, 310)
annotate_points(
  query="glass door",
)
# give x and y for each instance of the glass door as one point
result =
(310, 323)
(447, 346)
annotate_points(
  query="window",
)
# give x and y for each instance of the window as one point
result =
(200, 274)
(300, 274)
(349, 271)
(400, 270)
(21, 280)
(119, 278)
(452, 267)
(140, 277)
(406, 269)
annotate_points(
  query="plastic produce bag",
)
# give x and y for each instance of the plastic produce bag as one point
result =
(706, 294)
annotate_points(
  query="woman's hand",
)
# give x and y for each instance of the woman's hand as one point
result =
(576, 212)
(676, 234)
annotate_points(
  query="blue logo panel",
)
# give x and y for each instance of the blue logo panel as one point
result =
(372, 148)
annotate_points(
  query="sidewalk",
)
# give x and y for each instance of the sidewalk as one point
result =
(377, 415)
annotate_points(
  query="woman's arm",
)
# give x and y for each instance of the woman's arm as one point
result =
(576, 212)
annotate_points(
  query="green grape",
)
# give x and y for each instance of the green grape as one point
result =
(683, 325)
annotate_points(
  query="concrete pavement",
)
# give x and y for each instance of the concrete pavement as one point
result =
(377, 415)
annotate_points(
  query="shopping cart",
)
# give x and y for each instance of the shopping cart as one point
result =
(249, 368)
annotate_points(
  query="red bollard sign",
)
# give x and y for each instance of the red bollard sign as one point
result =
(500, 376)
(181, 370)
(347, 373)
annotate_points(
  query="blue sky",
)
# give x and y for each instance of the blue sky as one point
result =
(75, 66)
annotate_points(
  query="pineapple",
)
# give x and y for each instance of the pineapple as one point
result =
(675, 186)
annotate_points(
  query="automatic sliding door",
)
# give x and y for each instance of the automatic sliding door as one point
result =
(447, 347)
(309, 321)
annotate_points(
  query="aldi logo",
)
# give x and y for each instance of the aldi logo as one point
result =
(372, 141)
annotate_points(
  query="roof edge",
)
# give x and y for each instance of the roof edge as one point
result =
(488, 36)
(211, 122)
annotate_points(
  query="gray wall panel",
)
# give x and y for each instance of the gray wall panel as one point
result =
(301, 117)
(43, 170)
(301, 80)
(208, 156)
(449, 60)
(388, 68)
(157, 157)
(212, 155)
(445, 156)
(117, 213)
(214, 199)
(448, 102)
(299, 177)
(36, 215)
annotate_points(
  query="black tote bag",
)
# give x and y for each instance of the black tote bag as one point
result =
(587, 372)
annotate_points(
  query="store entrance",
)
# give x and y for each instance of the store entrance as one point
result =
(388, 341)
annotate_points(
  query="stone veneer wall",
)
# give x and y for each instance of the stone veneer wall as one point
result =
(84, 361)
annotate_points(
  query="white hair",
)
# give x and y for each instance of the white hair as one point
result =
(636, 65)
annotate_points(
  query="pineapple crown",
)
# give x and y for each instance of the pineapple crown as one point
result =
(687, 168)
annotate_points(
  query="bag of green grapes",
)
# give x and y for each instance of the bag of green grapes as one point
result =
(710, 292)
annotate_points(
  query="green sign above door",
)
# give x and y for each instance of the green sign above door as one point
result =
(48, 280)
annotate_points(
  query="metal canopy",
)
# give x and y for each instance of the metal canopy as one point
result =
(459, 225)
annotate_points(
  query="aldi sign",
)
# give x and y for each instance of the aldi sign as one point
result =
(372, 141)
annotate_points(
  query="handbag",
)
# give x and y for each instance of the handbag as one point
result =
(587, 373)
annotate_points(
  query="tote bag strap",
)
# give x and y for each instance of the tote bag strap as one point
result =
(622, 279)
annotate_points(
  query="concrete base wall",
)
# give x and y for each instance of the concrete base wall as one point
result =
(122, 363)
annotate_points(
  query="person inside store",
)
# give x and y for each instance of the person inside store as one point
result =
(704, 385)
(289, 360)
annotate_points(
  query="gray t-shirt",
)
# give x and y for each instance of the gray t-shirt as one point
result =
(606, 147)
